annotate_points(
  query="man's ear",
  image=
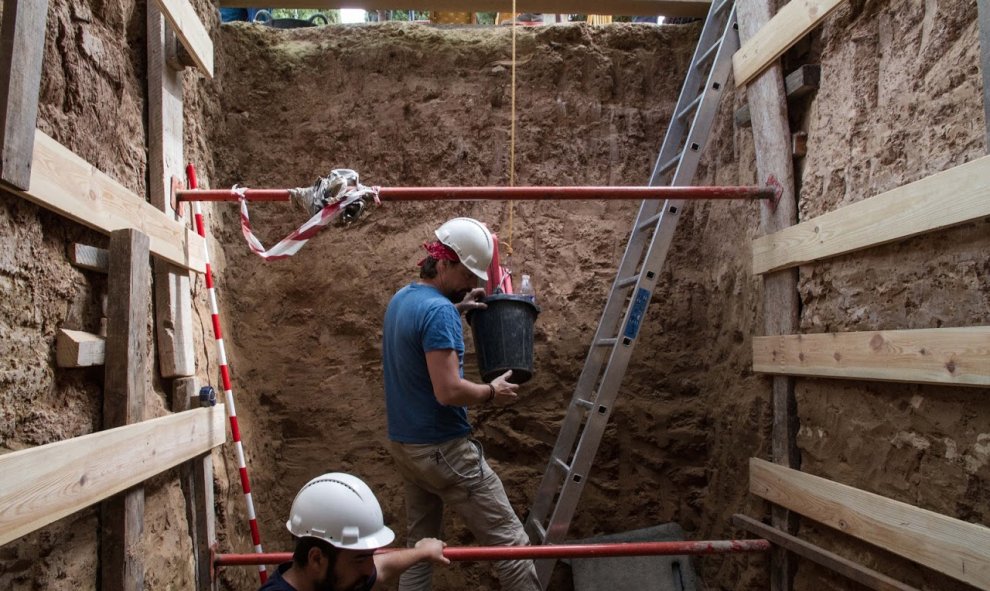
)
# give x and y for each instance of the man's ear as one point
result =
(315, 555)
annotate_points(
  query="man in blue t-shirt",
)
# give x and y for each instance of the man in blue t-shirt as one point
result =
(338, 526)
(426, 397)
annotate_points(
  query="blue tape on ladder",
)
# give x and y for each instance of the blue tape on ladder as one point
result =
(636, 313)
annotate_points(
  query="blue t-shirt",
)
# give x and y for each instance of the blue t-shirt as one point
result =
(419, 319)
(277, 583)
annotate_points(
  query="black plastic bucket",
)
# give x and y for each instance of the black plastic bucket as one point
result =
(503, 336)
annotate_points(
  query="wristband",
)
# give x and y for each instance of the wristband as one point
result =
(492, 395)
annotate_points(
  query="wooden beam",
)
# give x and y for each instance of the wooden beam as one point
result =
(983, 16)
(957, 548)
(173, 305)
(22, 48)
(856, 572)
(946, 199)
(196, 478)
(946, 356)
(190, 30)
(798, 83)
(771, 139)
(45, 483)
(89, 257)
(129, 295)
(792, 22)
(66, 184)
(75, 348)
(697, 8)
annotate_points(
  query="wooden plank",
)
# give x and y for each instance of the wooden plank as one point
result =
(173, 300)
(196, 477)
(864, 576)
(957, 548)
(771, 139)
(792, 22)
(697, 8)
(89, 257)
(798, 83)
(946, 356)
(190, 30)
(22, 48)
(65, 183)
(129, 295)
(983, 17)
(75, 348)
(946, 199)
(45, 483)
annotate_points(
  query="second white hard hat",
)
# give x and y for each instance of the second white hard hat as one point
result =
(340, 509)
(472, 242)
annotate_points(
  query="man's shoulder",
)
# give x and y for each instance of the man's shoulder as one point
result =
(276, 582)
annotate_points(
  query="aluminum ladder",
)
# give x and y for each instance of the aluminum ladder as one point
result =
(597, 388)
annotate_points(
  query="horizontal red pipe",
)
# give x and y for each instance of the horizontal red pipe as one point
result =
(533, 552)
(509, 193)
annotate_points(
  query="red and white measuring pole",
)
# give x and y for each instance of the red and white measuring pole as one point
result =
(228, 390)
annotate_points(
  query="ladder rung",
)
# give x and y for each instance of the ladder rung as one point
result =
(585, 404)
(627, 281)
(606, 342)
(564, 466)
(650, 222)
(709, 54)
(670, 164)
(720, 6)
(691, 106)
(541, 531)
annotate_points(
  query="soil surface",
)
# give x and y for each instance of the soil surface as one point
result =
(419, 105)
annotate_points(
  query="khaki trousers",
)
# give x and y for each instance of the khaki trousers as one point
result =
(455, 474)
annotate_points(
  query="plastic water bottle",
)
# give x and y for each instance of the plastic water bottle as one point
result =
(526, 288)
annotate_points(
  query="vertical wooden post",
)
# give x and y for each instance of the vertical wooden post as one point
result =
(22, 48)
(983, 8)
(772, 142)
(126, 365)
(173, 306)
(197, 486)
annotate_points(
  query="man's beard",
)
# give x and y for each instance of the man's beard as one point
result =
(329, 583)
(458, 296)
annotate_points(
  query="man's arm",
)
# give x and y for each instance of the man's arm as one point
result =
(453, 390)
(392, 564)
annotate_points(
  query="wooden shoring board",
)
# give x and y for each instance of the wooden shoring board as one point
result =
(845, 567)
(75, 348)
(173, 297)
(791, 23)
(190, 30)
(945, 356)
(126, 370)
(22, 48)
(43, 484)
(957, 548)
(948, 198)
(772, 143)
(797, 84)
(697, 8)
(983, 17)
(66, 184)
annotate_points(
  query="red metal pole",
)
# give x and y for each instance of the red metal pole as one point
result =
(506, 193)
(537, 552)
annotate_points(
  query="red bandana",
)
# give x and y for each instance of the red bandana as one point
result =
(439, 251)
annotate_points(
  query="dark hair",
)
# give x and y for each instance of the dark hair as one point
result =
(304, 544)
(429, 268)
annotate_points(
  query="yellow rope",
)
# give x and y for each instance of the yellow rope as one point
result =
(512, 129)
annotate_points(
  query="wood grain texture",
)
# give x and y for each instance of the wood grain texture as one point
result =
(791, 23)
(75, 348)
(66, 184)
(190, 30)
(956, 356)
(913, 209)
(45, 483)
(957, 548)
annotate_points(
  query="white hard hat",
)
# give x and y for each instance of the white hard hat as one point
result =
(340, 509)
(472, 242)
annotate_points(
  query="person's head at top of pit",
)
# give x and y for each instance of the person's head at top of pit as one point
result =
(338, 525)
(457, 261)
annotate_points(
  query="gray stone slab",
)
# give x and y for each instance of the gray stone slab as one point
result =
(642, 573)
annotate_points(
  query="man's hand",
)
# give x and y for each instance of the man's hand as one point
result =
(472, 301)
(433, 550)
(505, 392)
